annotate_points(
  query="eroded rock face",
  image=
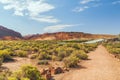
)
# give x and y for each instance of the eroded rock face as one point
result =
(67, 36)
(6, 33)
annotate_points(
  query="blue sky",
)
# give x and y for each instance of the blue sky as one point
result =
(41, 16)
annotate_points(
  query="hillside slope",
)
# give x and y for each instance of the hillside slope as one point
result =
(66, 36)
(6, 33)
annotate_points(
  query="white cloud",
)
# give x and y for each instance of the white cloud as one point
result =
(116, 2)
(56, 28)
(33, 8)
(6, 1)
(86, 1)
(80, 9)
(14, 5)
(37, 7)
(85, 4)
(49, 19)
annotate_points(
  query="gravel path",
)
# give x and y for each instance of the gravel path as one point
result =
(101, 66)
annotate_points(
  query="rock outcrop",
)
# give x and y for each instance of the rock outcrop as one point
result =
(66, 36)
(8, 34)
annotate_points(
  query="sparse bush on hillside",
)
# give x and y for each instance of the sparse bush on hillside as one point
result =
(61, 55)
(1, 61)
(44, 56)
(12, 78)
(74, 58)
(34, 56)
(71, 61)
(80, 54)
(5, 55)
(76, 46)
(26, 72)
(21, 53)
(31, 73)
(43, 62)
(5, 74)
(113, 48)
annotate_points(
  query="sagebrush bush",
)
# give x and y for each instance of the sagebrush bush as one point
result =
(28, 72)
(12, 78)
(5, 55)
(80, 54)
(1, 61)
(33, 56)
(44, 56)
(113, 48)
(71, 61)
(43, 62)
(21, 53)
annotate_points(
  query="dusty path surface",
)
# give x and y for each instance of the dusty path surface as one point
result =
(101, 66)
(13, 66)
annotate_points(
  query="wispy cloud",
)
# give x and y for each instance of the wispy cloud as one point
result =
(116, 2)
(85, 4)
(58, 27)
(32, 8)
(49, 19)
(86, 1)
(80, 9)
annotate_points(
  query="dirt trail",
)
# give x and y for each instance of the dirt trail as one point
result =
(101, 66)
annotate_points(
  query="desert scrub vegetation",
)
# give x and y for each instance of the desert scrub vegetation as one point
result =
(113, 48)
(46, 50)
(27, 72)
(71, 61)
(1, 61)
(43, 62)
(5, 54)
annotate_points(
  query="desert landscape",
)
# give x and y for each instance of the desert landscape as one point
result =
(59, 40)
(67, 56)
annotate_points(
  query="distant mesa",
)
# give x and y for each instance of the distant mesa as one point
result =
(8, 34)
(67, 36)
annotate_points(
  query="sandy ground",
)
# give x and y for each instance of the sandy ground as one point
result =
(15, 65)
(101, 66)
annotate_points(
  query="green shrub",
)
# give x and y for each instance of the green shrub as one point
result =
(54, 58)
(28, 72)
(113, 48)
(12, 78)
(42, 62)
(5, 74)
(44, 56)
(21, 53)
(25, 79)
(33, 56)
(61, 55)
(80, 54)
(2, 77)
(1, 61)
(5, 55)
(71, 61)
(76, 46)
(31, 73)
